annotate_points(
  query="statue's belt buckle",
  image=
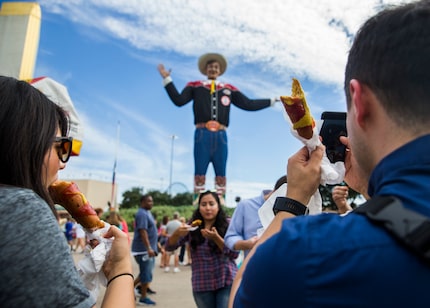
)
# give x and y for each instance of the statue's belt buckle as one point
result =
(213, 126)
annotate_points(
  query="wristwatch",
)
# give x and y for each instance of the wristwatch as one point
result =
(285, 204)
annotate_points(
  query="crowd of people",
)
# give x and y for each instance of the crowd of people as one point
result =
(217, 241)
(326, 260)
(74, 232)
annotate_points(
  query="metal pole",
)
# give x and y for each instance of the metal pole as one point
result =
(112, 199)
(171, 164)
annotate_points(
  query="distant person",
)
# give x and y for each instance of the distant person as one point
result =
(340, 198)
(81, 238)
(144, 247)
(162, 237)
(211, 106)
(37, 267)
(161, 251)
(213, 267)
(116, 219)
(124, 226)
(245, 222)
(70, 232)
(99, 211)
(185, 248)
(171, 227)
(350, 261)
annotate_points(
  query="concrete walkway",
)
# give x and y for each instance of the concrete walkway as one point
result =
(173, 289)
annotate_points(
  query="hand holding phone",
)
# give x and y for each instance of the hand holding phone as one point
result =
(334, 126)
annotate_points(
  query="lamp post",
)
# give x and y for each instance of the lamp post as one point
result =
(113, 195)
(171, 163)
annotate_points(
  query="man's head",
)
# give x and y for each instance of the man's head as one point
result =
(146, 202)
(282, 180)
(99, 211)
(387, 83)
(212, 65)
(390, 55)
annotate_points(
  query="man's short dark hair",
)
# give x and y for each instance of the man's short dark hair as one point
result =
(390, 55)
(144, 197)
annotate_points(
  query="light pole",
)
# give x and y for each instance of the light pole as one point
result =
(112, 198)
(171, 163)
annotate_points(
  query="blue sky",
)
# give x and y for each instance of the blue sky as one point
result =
(106, 53)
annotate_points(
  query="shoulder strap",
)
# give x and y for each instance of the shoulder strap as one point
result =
(412, 229)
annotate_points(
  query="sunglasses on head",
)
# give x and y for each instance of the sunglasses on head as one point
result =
(65, 148)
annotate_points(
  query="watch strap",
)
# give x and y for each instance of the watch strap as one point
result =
(292, 206)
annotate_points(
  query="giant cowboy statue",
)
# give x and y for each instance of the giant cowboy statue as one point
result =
(211, 105)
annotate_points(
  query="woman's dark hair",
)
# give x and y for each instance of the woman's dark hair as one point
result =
(114, 218)
(221, 224)
(28, 126)
(165, 219)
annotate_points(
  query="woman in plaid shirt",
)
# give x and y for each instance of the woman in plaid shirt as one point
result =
(213, 267)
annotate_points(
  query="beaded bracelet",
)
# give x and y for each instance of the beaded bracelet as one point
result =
(119, 275)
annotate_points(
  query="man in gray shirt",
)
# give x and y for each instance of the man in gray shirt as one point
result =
(171, 226)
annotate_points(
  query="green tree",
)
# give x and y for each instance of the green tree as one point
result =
(164, 204)
(131, 198)
(182, 199)
(160, 198)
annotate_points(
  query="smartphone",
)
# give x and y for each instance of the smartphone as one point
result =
(333, 126)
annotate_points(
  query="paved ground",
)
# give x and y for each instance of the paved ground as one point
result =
(173, 289)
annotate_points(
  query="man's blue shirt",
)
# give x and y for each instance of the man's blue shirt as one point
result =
(405, 173)
(144, 220)
(333, 261)
(245, 221)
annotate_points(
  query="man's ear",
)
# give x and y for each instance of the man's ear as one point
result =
(360, 101)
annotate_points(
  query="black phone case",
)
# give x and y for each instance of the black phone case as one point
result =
(334, 126)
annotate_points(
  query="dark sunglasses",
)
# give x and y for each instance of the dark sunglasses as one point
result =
(65, 148)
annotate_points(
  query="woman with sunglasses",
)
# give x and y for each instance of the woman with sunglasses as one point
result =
(213, 267)
(37, 268)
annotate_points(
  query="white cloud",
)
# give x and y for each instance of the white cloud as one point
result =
(306, 38)
(279, 39)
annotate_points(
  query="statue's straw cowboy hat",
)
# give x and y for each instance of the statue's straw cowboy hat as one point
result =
(204, 59)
